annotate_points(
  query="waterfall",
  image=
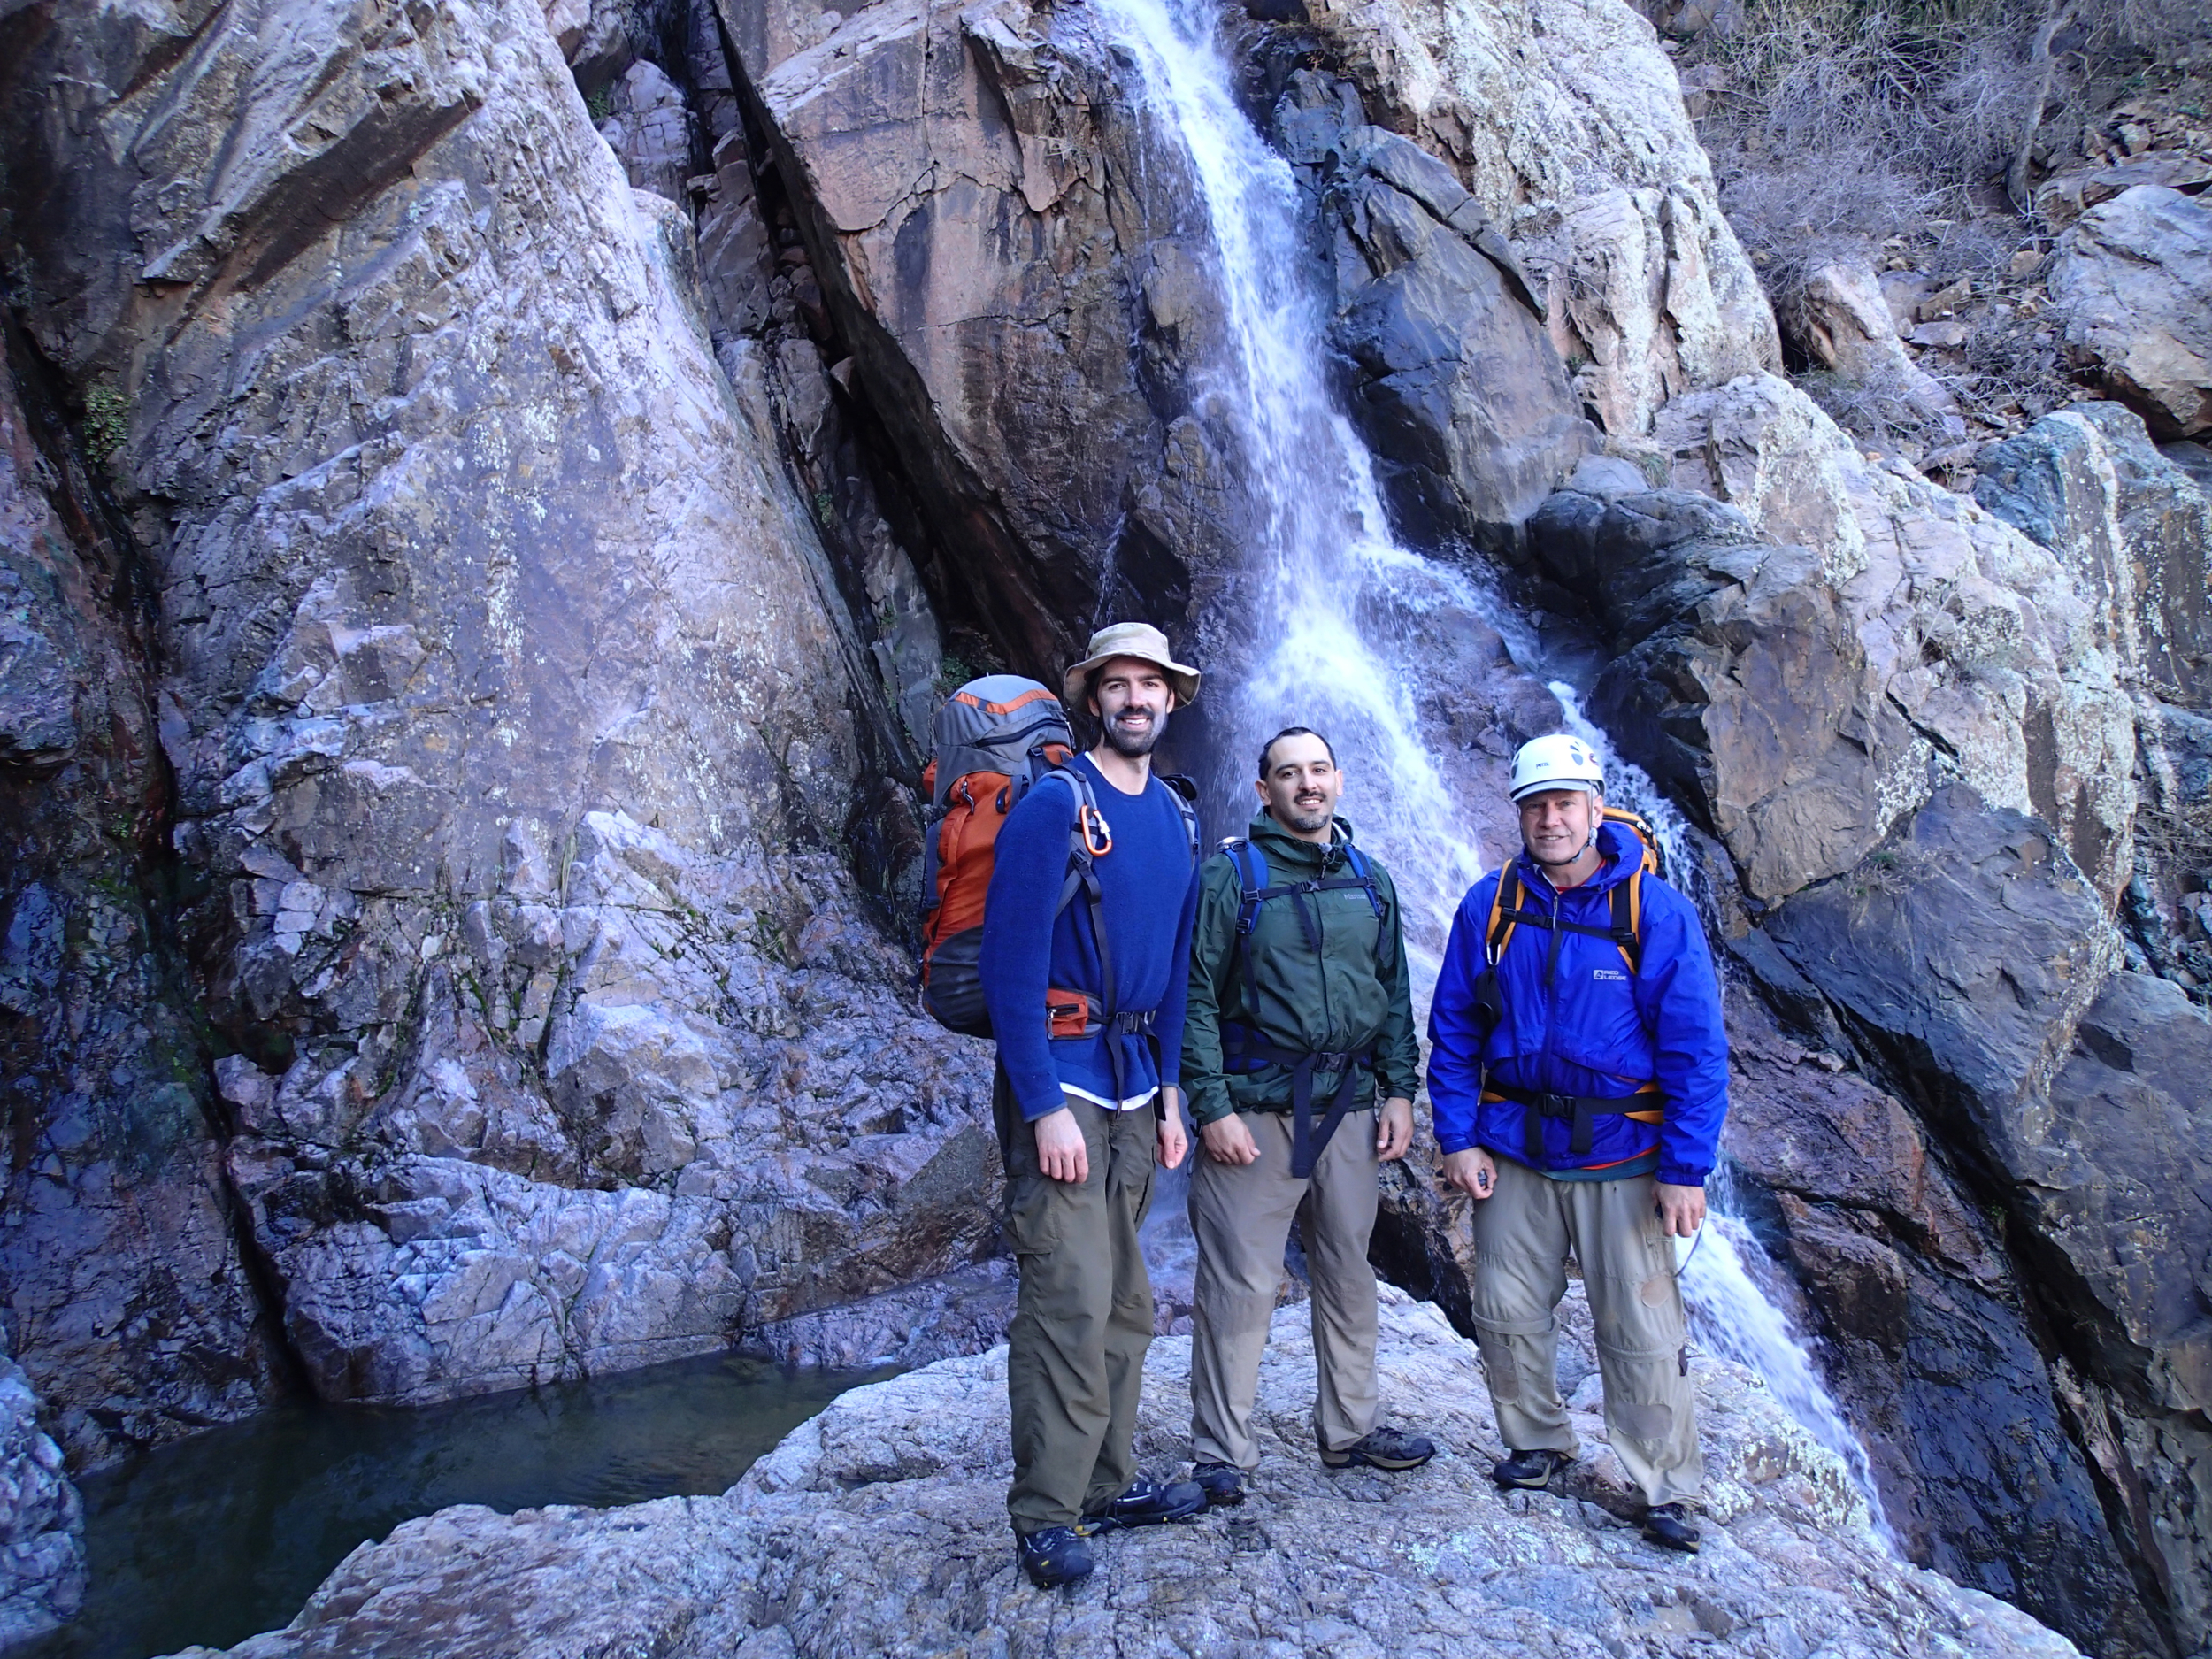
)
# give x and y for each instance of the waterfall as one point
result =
(1321, 553)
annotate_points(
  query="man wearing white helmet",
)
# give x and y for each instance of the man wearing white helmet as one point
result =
(1578, 1078)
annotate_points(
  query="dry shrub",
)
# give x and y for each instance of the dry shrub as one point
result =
(1838, 123)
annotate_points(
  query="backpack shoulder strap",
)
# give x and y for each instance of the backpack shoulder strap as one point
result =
(1505, 905)
(1251, 866)
(1626, 897)
(1184, 792)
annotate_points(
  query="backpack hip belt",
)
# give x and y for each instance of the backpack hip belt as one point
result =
(1075, 1013)
(1244, 1049)
(1578, 1110)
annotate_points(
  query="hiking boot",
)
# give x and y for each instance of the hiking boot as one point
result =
(1222, 1482)
(1148, 1503)
(1531, 1470)
(1383, 1448)
(1054, 1556)
(1670, 1526)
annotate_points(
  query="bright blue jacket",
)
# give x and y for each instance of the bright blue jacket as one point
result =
(1587, 1029)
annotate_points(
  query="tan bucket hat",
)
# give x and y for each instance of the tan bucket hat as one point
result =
(1130, 639)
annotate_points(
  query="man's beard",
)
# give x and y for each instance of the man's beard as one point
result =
(1134, 745)
(1306, 821)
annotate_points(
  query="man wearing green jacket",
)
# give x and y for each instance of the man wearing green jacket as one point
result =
(1299, 1018)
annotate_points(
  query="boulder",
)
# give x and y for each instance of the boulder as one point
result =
(880, 1527)
(2128, 524)
(2132, 279)
(1840, 317)
(1800, 673)
(1565, 123)
(2062, 199)
(1454, 380)
(41, 1519)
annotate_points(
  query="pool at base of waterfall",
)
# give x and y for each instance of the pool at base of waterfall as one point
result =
(226, 1534)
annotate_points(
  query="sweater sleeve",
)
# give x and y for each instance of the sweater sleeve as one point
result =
(1173, 1023)
(1028, 865)
(1212, 959)
(1398, 1073)
(1456, 1035)
(1680, 1003)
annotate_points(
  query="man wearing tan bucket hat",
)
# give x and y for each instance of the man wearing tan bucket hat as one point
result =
(1093, 927)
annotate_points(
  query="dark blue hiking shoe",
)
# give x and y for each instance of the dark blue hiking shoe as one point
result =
(1531, 1470)
(1670, 1526)
(1054, 1556)
(1383, 1448)
(1148, 1503)
(1222, 1482)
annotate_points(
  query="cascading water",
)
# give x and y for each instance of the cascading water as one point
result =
(1321, 546)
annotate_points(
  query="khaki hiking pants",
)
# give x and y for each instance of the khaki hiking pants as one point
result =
(1241, 1215)
(1083, 1318)
(1522, 1234)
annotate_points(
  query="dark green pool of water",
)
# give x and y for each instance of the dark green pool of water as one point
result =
(229, 1532)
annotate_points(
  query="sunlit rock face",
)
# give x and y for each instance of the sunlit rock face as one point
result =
(516, 720)
(880, 1527)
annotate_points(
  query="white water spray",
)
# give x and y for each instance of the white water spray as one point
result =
(1321, 544)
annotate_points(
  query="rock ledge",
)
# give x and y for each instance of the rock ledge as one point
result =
(878, 1527)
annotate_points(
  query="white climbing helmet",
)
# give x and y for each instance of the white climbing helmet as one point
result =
(1560, 761)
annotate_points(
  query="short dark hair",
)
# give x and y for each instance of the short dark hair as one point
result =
(1268, 747)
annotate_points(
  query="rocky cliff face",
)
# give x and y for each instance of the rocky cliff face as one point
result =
(514, 719)
(880, 1527)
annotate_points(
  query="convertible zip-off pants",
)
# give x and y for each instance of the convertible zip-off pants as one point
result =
(1241, 1215)
(1522, 1234)
(1083, 1318)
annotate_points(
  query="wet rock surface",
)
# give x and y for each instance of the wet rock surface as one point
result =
(880, 1527)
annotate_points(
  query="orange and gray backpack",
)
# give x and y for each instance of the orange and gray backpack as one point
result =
(992, 742)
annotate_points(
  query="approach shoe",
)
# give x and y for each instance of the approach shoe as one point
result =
(1222, 1482)
(1054, 1556)
(1670, 1526)
(1531, 1471)
(1383, 1448)
(1148, 1503)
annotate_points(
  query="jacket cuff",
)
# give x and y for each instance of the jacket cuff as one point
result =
(1212, 1110)
(1675, 1175)
(1448, 1144)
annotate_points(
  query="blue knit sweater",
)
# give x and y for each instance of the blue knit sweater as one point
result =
(1148, 885)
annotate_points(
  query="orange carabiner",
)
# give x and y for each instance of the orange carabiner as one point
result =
(1090, 816)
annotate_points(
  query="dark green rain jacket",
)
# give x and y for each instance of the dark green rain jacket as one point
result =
(1341, 1001)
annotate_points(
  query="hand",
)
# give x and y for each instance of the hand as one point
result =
(1062, 1152)
(1393, 1129)
(1229, 1141)
(1174, 1140)
(1681, 1210)
(1471, 1172)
